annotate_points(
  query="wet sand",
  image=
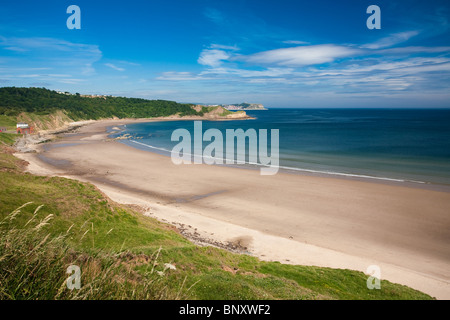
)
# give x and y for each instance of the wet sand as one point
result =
(291, 218)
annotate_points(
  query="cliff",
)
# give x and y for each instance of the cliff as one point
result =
(220, 113)
(245, 106)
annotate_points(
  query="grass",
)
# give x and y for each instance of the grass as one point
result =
(35, 265)
(8, 121)
(123, 254)
(8, 138)
(225, 113)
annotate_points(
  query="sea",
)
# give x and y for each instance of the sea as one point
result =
(403, 145)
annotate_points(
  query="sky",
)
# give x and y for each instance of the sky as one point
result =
(283, 53)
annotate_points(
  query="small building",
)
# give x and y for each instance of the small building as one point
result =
(3, 129)
(24, 128)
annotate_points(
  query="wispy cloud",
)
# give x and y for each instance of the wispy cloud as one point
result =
(243, 73)
(129, 63)
(179, 76)
(112, 66)
(29, 57)
(295, 42)
(410, 50)
(72, 81)
(224, 47)
(16, 49)
(301, 56)
(391, 40)
(213, 57)
(38, 45)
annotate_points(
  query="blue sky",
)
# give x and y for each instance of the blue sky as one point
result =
(282, 53)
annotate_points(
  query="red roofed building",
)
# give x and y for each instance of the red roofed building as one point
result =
(24, 128)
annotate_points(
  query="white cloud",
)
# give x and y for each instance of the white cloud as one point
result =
(295, 42)
(409, 50)
(112, 66)
(442, 67)
(54, 54)
(16, 49)
(399, 67)
(178, 76)
(301, 56)
(28, 76)
(213, 57)
(57, 75)
(38, 45)
(220, 46)
(127, 62)
(269, 72)
(391, 40)
(378, 69)
(71, 81)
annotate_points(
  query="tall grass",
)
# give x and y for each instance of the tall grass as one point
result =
(33, 265)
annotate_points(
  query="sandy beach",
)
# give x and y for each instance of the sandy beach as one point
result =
(291, 218)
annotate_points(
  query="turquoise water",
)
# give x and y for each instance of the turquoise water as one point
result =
(411, 145)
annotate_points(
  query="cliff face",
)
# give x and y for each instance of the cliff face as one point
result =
(238, 115)
(221, 113)
(52, 121)
(60, 119)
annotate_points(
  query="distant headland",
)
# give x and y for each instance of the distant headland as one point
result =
(240, 106)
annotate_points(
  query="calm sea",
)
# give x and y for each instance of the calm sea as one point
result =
(410, 145)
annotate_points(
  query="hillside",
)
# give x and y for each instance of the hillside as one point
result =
(41, 101)
(49, 110)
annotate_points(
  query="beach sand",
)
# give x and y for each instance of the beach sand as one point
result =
(291, 218)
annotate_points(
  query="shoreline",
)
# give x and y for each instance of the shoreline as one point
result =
(211, 213)
(294, 170)
(309, 172)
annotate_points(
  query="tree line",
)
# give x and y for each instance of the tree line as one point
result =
(42, 101)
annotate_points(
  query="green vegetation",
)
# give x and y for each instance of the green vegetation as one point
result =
(206, 110)
(33, 264)
(124, 254)
(8, 138)
(225, 113)
(45, 121)
(8, 121)
(41, 101)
